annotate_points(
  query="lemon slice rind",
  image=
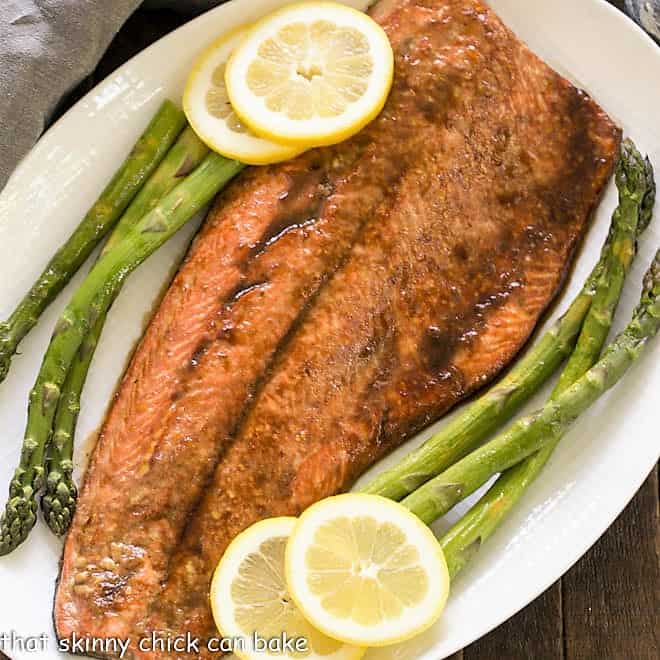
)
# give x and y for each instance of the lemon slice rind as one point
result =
(215, 131)
(415, 618)
(317, 130)
(224, 606)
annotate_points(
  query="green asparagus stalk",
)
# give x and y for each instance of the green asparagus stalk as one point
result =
(90, 302)
(464, 538)
(58, 502)
(532, 432)
(629, 221)
(147, 152)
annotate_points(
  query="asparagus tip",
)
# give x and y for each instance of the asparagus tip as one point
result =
(58, 507)
(58, 503)
(648, 201)
(17, 521)
(631, 172)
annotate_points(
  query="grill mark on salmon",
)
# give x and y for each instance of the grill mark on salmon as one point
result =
(330, 308)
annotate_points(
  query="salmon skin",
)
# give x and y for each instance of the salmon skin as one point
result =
(331, 307)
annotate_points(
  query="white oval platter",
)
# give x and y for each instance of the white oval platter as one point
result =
(595, 472)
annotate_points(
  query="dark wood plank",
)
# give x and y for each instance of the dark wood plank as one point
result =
(612, 596)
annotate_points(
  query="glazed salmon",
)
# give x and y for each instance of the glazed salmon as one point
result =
(330, 308)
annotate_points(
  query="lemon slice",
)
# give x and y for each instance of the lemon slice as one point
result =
(249, 598)
(365, 570)
(311, 73)
(211, 116)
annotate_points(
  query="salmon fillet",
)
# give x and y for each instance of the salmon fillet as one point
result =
(330, 308)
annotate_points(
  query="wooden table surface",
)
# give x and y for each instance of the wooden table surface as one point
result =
(607, 607)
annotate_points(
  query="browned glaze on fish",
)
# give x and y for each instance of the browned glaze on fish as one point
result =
(330, 308)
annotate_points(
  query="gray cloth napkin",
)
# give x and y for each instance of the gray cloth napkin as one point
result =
(647, 14)
(48, 46)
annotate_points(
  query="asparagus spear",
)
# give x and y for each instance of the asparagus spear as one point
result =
(532, 432)
(147, 152)
(632, 216)
(467, 535)
(91, 301)
(58, 502)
